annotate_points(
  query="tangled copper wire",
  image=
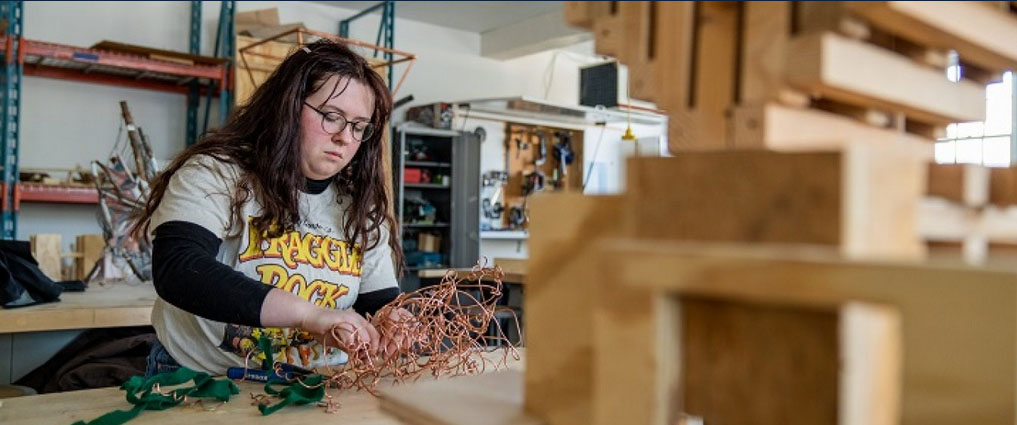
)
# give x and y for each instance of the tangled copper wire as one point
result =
(445, 335)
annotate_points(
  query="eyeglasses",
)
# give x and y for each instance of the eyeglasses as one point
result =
(334, 123)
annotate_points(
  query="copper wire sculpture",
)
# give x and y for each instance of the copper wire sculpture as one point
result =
(446, 335)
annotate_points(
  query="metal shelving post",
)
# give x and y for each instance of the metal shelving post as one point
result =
(194, 96)
(225, 42)
(386, 30)
(11, 11)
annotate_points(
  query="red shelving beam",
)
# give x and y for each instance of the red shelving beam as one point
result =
(61, 61)
(58, 194)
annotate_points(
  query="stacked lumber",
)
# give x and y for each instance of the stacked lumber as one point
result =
(772, 271)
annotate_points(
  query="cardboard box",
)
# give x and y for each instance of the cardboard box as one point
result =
(428, 242)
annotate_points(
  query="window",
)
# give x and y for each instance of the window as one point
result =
(986, 142)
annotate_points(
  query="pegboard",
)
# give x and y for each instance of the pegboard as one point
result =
(537, 151)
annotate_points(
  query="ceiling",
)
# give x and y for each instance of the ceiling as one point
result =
(473, 16)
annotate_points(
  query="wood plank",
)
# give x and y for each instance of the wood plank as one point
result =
(488, 399)
(766, 30)
(828, 16)
(714, 81)
(838, 199)
(635, 353)
(964, 183)
(824, 364)
(91, 247)
(854, 72)
(781, 128)
(980, 35)
(46, 250)
(584, 13)
(559, 328)
(944, 380)
(1003, 186)
(99, 306)
(161, 54)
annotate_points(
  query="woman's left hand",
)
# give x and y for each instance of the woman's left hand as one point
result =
(393, 334)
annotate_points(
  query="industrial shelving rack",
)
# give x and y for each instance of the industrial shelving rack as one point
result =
(52, 60)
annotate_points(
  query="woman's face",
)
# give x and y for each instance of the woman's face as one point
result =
(323, 155)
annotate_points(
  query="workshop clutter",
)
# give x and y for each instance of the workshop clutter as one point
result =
(538, 159)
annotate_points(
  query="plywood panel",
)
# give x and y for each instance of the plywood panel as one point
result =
(91, 248)
(46, 250)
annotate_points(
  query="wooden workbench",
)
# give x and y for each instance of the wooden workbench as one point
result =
(357, 407)
(515, 271)
(101, 306)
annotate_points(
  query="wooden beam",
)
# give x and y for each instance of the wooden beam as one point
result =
(777, 127)
(964, 183)
(559, 326)
(945, 381)
(863, 200)
(584, 13)
(980, 35)
(847, 70)
(488, 399)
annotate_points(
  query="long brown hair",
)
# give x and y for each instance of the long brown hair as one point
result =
(262, 139)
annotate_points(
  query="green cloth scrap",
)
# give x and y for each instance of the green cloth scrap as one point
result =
(140, 394)
(294, 392)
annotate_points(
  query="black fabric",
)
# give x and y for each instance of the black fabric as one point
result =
(22, 283)
(371, 302)
(96, 358)
(315, 187)
(187, 275)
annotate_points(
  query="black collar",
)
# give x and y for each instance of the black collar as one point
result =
(315, 187)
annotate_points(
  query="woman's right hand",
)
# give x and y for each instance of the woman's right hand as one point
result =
(350, 327)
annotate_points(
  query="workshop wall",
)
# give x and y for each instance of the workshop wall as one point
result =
(66, 123)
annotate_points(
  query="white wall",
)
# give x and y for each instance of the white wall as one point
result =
(66, 123)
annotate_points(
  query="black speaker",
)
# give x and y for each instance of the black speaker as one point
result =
(598, 85)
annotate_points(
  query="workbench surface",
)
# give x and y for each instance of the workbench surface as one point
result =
(515, 271)
(357, 407)
(100, 306)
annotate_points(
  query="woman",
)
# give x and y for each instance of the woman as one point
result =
(277, 224)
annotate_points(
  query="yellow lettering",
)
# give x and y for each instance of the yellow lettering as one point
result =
(344, 254)
(296, 284)
(329, 247)
(308, 292)
(310, 251)
(276, 246)
(253, 250)
(332, 294)
(272, 274)
(292, 250)
(356, 260)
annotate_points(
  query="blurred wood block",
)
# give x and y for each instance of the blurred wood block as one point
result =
(980, 35)
(91, 248)
(584, 13)
(46, 250)
(487, 399)
(1003, 186)
(862, 200)
(766, 28)
(945, 381)
(559, 386)
(778, 127)
(861, 74)
(727, 360)
(964, 183)
(256, 19)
